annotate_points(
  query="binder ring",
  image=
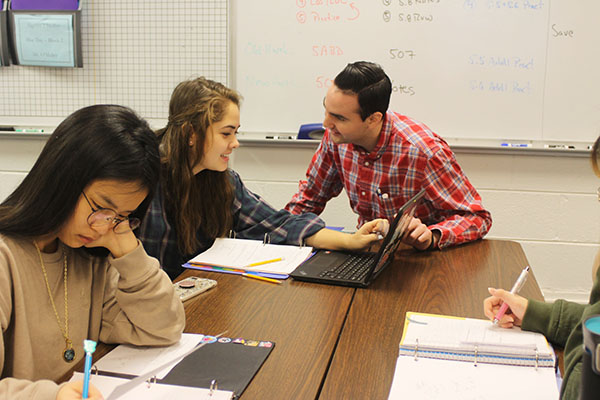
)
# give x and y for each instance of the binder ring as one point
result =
(231, 234)
(213, 387)
(150, 381)
(476, 350)
(416, 349)
(267, 239)
(94, 369)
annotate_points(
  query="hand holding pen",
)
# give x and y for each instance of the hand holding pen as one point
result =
(505, 308)
(73, 391)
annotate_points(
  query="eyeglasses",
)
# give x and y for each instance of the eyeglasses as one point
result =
(102, 217)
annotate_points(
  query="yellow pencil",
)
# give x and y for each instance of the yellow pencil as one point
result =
(262, 278)
(264, 262)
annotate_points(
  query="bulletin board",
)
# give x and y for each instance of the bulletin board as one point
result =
(134, 54)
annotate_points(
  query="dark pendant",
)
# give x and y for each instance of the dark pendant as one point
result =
(69, 355)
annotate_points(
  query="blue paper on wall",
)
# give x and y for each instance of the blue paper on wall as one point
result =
(45, 39)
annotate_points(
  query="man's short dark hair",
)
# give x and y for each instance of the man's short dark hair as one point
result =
(370, 83)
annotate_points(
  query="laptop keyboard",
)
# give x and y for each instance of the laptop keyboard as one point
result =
(355, 268)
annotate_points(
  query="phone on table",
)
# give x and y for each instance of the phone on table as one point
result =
(192, 286)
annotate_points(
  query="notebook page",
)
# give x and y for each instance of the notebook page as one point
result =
(447, 380)
(153, 391)
(137, 360)
(239, 253)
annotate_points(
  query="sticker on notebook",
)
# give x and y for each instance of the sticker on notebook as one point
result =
(224, 340)
(252, 343)
(239, 341)
(265, 344)
(209, 339)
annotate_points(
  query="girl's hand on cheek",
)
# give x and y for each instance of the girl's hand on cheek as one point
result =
(118, 244)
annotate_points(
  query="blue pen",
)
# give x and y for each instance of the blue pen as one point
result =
(89, 346)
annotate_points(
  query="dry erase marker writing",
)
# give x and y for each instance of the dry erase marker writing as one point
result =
(515, 289)
(261, 278)
(280, 137)
(29, 130)
(89, 346)
(255, 264)
(559, 146)
(515, 144)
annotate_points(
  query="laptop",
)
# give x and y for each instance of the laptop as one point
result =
(358, 269)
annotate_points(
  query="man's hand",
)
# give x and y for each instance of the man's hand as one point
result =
(419, 236)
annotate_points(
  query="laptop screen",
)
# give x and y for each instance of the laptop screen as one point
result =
(397, 231)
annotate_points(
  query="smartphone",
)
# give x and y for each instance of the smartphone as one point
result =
(192, 286)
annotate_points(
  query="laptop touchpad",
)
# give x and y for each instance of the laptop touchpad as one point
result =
(326, 260)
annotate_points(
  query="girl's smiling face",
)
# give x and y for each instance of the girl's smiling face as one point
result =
(220, 141)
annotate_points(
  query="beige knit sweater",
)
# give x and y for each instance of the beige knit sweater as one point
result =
(123, 300)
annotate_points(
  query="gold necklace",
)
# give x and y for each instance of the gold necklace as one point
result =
(69, 352)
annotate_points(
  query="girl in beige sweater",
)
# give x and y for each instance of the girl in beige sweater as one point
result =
(70, 265)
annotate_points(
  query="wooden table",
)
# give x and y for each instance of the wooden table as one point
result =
(304, 320)
(453, 281)
(335, 342)
(342, 343)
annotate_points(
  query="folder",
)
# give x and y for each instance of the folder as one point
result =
(44, 33)
(44, 4)
(218, 364)
(4, 50)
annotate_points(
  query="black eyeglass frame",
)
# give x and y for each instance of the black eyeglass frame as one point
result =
(133, 223)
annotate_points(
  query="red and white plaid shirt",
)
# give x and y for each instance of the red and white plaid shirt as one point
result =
(408, 156)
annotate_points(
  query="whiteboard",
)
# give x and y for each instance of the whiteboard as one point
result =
(486, 69)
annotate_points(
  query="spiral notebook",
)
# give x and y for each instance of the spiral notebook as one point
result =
(445, 357)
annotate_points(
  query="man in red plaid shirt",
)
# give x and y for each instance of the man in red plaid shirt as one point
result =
(382, 159)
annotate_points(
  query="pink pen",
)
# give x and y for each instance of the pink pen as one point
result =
(515, 289)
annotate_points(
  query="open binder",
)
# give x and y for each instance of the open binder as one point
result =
(152, 390)
(200, 366)
(472, 340)
(445, 357)
(232, 255)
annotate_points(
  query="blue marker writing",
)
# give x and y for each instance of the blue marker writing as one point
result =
(89, 346)
(29, 130)
(515, 144)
